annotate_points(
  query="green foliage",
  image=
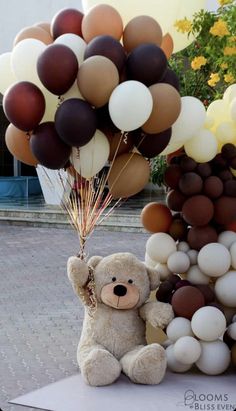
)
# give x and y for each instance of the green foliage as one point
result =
(158, 166)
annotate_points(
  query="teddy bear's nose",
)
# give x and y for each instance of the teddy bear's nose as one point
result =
(120, 290)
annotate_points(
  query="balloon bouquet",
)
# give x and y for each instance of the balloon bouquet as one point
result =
(80, 100)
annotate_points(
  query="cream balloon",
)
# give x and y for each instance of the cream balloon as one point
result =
(92, 157)
(73, 92)
(219, 111)
(75, 43)
(226, 132)
(164, 12)
(130, 105)
(51, 105)
(232, 110)
(202, 147)
(7, 77)
(230, 93)
(191, 119)
(187, 10)
(24, 60)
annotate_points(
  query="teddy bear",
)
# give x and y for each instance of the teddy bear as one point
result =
(115, 290)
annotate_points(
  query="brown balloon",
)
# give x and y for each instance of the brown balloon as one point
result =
(175, 200)
(102, 19)
(37, 33)
(156, 218)
(97, 78)
(186, 301)
(225, 210)
(150, 145)
(190, 183)
(178, 229)
(129, 175)
(166, 108)
(119, 144)
(24, 105)
(141, 30)
(198, 210)
(108, 47)
(18, 143)
(67, 21)
(198, 237)
(172, 175)
(167, 45)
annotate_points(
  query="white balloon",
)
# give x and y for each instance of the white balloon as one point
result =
(7, 77)
(233, 254)
(75, 43)
(203, 147)
(52, 102)
(208, 323)
(163, 270)
(226, 131)
(215, 357)
(232, 109)
(232, 331)
(187, 350)
(219, 111)
(193, 256)
(149, 262)
(196, 276)
(230, 93)
(214, 260)
(164, 12)
(179, 327)
(130, 105)
(187, 9)
(183, 246)
(227, 238)
(73, 92)
(191, 119)
(24, 60)
(225, 289)
(160, 246)
(92, 157)
(178, 262)
(173, 364)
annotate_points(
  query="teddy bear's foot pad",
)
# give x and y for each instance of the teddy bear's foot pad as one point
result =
(100, 368)
(149, 366)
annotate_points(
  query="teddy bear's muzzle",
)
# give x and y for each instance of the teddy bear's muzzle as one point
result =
(121, 296)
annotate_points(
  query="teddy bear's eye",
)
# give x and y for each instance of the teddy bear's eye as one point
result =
(130, 281)
(113, 279)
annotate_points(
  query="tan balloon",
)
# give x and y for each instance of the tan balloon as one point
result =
(166, 108)
(119, 144)
(141, 30)
(129, 175)
(97, 78)
(102, 20)
(17, 142)
(44, 25)
(167, 45)
(37, 33)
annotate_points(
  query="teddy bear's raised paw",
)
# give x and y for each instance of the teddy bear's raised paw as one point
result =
(77, 271)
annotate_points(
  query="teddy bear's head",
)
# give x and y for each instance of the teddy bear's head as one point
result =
(122, 281)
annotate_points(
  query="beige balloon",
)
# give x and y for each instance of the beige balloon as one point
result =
(37, 33)
(7, 77)
(44, 25)
(128, 175)
(17, 142)
(166, 108)
(141, 30)
(167, 45)
(97, 78)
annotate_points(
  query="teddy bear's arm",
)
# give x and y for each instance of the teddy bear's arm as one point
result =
(156, 313)
(78, 273)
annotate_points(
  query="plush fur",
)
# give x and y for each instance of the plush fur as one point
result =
(113, 336)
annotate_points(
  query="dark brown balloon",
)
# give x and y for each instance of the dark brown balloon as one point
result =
(198, 237)
(225, 210)
(156, 218)
(190, 184)
(24, 105)
(225, 175)
(171, 78)
(178, 229)
(175, 200)
(147, 63)
(187, 164)
(230, 188)
(219, 163)
(213, 187)
(198, 210)
(108, 47)
(204, 170)
(48, 148)
(67, 21)
(186, 301)
(57, 68)
(104, 121)
(207, 292)
(75, 122)
(228, 151)
(232, 163)
(172, 176)
(150, 145)
(119, 144)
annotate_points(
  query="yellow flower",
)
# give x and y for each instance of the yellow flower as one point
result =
(224, 66)
(229, 51)
(214, 79)
(183, 26)
(198, 62)
(233, 38)
(224, 2)
(229, 78)
(219, 29)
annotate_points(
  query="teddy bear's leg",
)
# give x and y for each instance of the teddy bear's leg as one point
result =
(98, 366)
(145, 364)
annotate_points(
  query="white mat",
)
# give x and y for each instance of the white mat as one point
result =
(177, 392)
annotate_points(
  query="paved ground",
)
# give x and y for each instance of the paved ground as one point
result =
(40, 318)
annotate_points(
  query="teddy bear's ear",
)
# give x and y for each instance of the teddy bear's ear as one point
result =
(154, 277)
(94, 261)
